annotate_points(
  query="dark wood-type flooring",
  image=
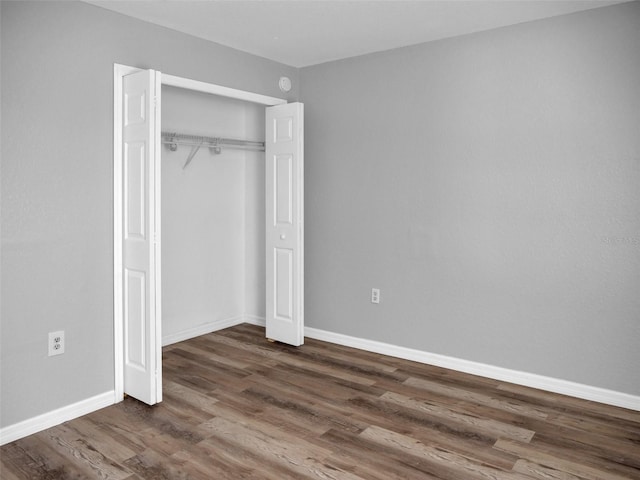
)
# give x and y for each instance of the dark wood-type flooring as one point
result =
(236, 406)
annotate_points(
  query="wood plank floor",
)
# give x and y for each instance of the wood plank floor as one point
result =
(236, 406)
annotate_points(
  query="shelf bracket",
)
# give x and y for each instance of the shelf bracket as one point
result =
(192, 154)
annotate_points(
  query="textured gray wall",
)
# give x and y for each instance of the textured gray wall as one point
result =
(489, 185)
(57, 247)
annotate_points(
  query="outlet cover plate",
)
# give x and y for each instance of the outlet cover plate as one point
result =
(375, 295)
(56, 343)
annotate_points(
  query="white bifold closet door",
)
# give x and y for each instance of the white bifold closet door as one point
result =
(284, 223)
(141, 229)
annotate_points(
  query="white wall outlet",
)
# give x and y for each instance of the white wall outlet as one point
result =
(56, 343)
(375, 295)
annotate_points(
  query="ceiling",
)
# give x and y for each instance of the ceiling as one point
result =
(300, 33)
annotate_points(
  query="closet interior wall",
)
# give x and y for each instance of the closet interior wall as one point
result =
(212, 217)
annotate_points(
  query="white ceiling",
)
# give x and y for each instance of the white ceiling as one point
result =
(307, 32)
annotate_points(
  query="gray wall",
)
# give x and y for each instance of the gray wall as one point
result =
(489, 185)
(57, 247)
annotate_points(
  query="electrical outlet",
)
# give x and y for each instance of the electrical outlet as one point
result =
(375, 295)
(56, 343)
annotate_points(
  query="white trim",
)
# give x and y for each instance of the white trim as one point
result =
(156, 267)
(55, 417)
(586, 392)
(198, 86)
(578, 390)
(202, 329)
(255, 320)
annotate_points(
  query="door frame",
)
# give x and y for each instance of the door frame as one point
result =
(119, 72)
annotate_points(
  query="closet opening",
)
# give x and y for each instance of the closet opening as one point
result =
(213, 213)
(208, 227)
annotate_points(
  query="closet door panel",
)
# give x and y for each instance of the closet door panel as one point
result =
(142, 364)
(284, 224)
(283, 304)
(135, 190)
(283, 176)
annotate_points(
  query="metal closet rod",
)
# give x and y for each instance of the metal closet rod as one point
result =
(196, 142)
(173, 138)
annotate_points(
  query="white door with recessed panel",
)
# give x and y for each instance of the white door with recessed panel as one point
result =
(284, 223)
(140, 236)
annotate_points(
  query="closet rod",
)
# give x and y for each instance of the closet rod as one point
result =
(172, 138)
(257, 148)
(196, 142)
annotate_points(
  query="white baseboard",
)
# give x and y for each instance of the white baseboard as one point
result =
(578, 390)
(55, 417)
(83, 407)
(202, 329)
(255, 320)
(586, 392)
